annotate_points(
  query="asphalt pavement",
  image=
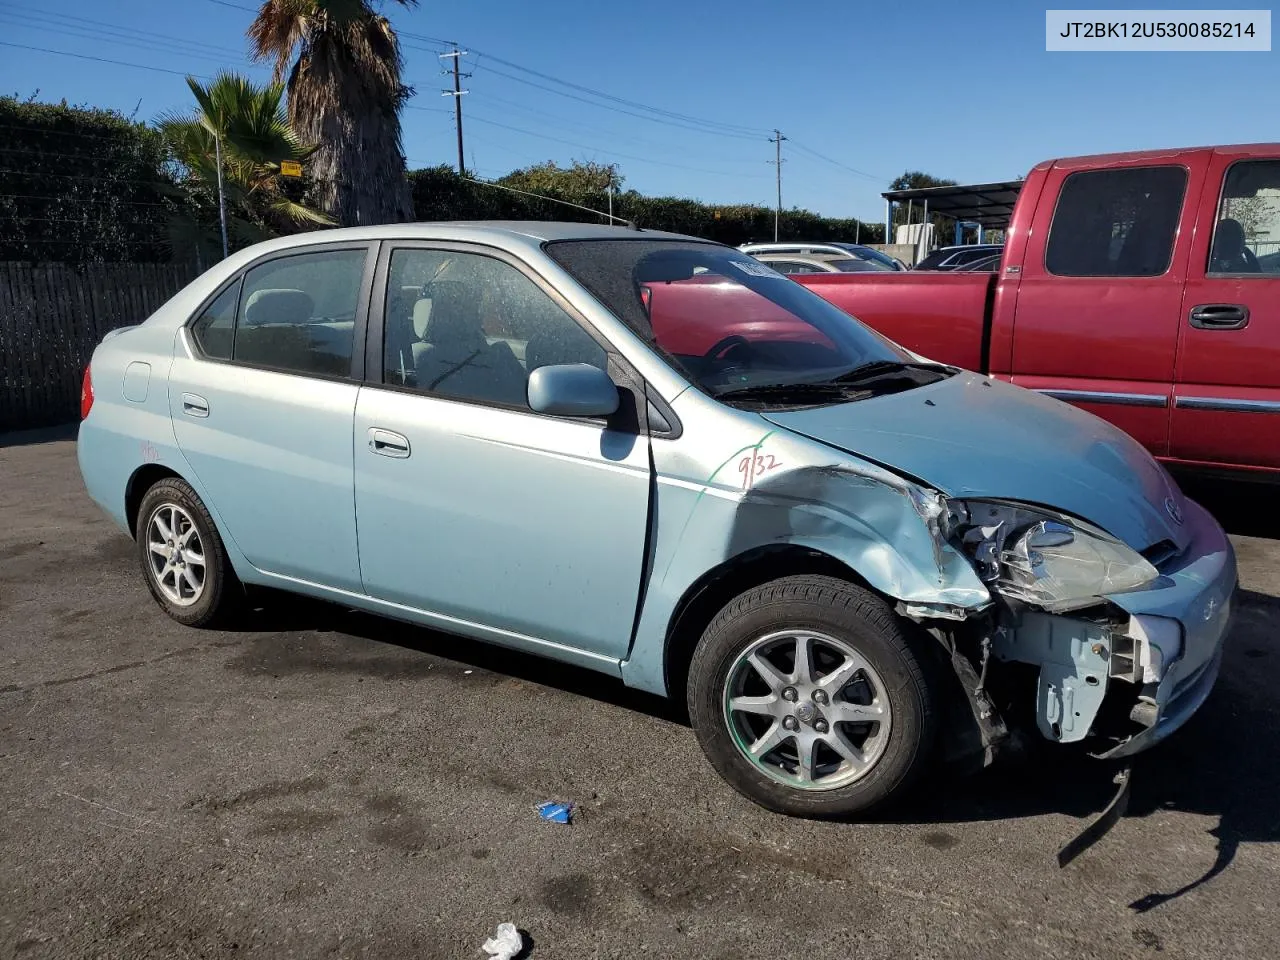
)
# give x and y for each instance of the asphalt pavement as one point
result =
(323, 783)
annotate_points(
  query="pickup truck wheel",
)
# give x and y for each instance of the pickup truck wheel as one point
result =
(183, 560)
(806, 696)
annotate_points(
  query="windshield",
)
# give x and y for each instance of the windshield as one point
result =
(870, 253)
(724, 320)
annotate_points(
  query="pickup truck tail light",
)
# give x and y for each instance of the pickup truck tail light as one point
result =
(86, 394)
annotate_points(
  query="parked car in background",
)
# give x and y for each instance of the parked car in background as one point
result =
(953, 258)
(658, 458)
(1128, 286)
(985, 265)
(848, 249)
(793, 263)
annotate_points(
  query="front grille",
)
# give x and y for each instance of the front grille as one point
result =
(1160, 554)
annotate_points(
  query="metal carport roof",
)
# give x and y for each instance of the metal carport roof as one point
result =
(990, 204)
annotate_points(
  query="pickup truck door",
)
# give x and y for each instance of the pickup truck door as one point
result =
(1227, 384)
(493, 520)
(1096, 322)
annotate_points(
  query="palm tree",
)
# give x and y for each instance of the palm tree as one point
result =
(246, 124)
(345, 95)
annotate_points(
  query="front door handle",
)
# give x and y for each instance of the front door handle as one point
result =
(194, 406)
(1219, 316)
(388, 444)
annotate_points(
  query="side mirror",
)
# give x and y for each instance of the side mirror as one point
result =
(572, 390)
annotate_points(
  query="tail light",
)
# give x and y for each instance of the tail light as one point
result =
(86, 394)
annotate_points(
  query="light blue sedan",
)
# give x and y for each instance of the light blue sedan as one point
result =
(655, 457)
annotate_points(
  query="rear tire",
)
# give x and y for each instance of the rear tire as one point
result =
(845, 732)
(183, 558)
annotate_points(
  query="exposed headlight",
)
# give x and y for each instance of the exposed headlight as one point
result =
(1050, 560)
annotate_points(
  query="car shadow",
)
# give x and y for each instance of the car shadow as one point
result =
(274, 612)
(1245, 508)
(23, 438)
(1225, 763)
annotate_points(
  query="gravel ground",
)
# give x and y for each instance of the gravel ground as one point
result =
(324, 783)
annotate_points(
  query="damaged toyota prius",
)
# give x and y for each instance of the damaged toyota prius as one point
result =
(655, 457)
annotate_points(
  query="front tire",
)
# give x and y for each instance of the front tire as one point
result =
(183, 559)
(807, 697)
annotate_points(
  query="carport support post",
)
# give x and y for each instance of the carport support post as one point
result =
(922, 247)
(888, 220)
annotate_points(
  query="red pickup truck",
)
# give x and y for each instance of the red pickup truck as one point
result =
(1144, 287)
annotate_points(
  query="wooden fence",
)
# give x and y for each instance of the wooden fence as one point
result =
(53, 315)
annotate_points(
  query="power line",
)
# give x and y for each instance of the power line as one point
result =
(605, 106)
(842, 166)
(700, 122)
(607, 153)
(100, 27)
(499, 186)
(118, 63)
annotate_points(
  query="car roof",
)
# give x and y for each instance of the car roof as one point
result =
(820, 257)
(502, 233)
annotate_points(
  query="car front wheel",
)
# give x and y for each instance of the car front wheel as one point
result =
(183, 559)
(807, 697)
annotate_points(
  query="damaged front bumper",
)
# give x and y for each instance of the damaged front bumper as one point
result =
(1198, 596)
(1126, 680)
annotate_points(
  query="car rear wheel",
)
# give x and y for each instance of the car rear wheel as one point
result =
(183, 559)
(807, 697)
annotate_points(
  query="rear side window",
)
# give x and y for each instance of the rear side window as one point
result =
(297, 313)
(1116, 223)
(214, 330)
(1246, 236)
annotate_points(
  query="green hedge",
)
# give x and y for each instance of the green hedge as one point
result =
(80, 185)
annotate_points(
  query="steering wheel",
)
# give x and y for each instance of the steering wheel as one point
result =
(724, 343)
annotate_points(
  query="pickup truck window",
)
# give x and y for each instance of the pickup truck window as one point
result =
(1246, 239)
(1116, 223)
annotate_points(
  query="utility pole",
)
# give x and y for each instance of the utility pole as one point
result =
(776, 140)
(457, 93)
(222, 204)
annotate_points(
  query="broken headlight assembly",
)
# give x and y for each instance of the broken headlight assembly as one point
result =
(1050, 560)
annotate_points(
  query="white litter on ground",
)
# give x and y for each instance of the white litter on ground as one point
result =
(505, 943)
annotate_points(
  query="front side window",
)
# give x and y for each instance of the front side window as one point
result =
(297, 313)
(1116, 223)
(470, 327)
(725, 321)
(1246, 236)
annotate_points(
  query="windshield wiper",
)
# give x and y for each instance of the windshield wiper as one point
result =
(780, 392)
(886, 371)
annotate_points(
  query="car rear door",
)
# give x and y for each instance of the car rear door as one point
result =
(262, 394)
(1227, 384)
(526, 529)
(1096, 322)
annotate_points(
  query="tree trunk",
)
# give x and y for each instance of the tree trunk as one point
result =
(359, 169)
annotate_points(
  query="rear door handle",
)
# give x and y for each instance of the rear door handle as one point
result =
(1219, 316)
(388, 444)
(194, 406)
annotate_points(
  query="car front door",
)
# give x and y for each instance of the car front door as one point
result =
(1227, 385)
(1096, 321)
(262, 394)
(523, 528)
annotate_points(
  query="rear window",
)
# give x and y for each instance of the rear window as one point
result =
(1116, 223)
(723, 319)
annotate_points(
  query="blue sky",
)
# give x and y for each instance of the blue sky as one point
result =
(965, 91)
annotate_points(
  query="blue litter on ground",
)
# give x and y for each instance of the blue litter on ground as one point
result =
(555, 812)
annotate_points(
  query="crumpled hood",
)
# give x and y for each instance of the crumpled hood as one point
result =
(969, 436)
